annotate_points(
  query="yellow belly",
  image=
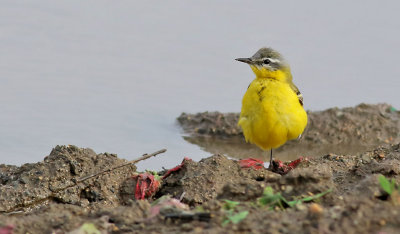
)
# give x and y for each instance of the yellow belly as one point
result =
(271, 114)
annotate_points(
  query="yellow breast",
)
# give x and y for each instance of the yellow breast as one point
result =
(271, 113)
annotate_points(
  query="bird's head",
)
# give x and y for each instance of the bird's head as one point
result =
(268, 63)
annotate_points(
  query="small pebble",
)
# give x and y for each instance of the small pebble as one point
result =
(198, 230)
(315, 209)
(289, 189)
(300, 206)
(187, 227)
(382, 222)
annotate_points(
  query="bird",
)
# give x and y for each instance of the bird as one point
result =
(272, 107)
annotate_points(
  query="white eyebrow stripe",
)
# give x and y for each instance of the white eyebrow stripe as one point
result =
(274, 60)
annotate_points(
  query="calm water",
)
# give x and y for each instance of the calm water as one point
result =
(114, 75)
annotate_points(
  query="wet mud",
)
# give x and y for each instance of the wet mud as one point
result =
(341, 191)
(340, 131)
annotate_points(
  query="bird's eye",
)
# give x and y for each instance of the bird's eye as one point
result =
(267, 61)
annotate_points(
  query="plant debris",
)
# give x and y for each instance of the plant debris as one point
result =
(284, 167)
(251, 163)
(146, 185)
(177, 168)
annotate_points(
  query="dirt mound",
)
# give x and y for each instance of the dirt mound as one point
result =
(353, 200)
(342, 131)
(213, 177)
(370, 124)
(53, 180)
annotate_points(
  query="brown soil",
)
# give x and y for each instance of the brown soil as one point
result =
(339, 131)
(43, 197)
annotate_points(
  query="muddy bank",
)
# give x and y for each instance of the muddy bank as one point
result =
(342, 131)
(355, 202)
(332, 193)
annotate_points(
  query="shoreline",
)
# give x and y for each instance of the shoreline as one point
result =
(210, 195)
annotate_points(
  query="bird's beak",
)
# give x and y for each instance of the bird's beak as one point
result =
(245, 60)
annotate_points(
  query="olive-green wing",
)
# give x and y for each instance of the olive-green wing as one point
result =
(298, 93)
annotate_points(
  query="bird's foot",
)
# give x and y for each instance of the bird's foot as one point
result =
(284, 167)
(251, 163)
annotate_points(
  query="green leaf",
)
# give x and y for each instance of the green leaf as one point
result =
(237, 218)
(155, 174)
(385, 184)
(225, 222)
(268, 196)
(293, 203)
(316, 196)
(273, 200)
(277, 200)
(87, 228)
(393, 185)
(199, 209)
(230, 205)
(268, 191)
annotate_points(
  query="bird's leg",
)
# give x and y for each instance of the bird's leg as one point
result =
(270, 159)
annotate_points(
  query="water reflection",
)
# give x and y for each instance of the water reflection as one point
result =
(236, 147)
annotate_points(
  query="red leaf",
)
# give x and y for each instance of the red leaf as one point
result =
(293, 164)
(251, 163)
(7, 229)
(283, 168)
(177, 168)
(146, 185)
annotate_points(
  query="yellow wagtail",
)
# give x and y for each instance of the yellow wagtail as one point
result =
(272, 107)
